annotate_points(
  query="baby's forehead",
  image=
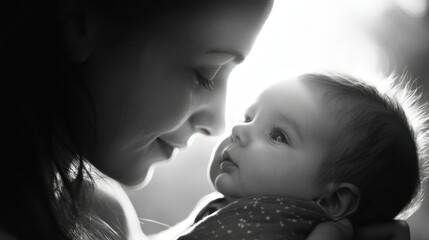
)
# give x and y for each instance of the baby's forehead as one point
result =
(280, 88)
(297, 101)
(290, 90)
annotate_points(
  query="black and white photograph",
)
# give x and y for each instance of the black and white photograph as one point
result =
(214, 119)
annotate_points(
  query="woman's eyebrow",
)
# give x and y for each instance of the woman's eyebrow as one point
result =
(238, 56)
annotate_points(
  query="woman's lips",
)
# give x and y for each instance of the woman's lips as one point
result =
(166, 148)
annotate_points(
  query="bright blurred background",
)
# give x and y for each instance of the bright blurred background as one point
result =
(355, 36)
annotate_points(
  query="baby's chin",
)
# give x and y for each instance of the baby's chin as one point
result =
(225, 185)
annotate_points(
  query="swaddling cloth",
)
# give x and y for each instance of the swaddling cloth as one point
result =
(264, 217)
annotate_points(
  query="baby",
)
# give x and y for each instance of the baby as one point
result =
(318, 148)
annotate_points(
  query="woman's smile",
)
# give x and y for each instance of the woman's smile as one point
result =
(166, 148)
(169, 147)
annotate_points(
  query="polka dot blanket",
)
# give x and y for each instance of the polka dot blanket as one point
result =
(261, 218)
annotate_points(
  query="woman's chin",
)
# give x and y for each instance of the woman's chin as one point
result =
(139, 183)
(135, 171)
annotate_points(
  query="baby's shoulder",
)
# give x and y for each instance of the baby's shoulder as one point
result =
(291, 209)
(266, 216)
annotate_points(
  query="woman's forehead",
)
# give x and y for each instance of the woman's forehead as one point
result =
(160, 7)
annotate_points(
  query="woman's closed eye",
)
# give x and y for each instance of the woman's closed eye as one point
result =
(206, 75)
(278, 135)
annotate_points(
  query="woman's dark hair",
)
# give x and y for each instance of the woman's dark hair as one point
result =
(42, 161)
(42, 97)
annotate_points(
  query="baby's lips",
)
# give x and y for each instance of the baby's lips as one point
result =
(222, 151)
(226, 154)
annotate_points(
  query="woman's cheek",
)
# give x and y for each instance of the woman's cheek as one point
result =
(175, 108)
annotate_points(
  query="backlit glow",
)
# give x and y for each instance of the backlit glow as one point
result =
(299, 37)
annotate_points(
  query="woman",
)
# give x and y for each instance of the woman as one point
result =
(118, 85)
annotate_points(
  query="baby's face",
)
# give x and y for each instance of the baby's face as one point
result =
(279, 147)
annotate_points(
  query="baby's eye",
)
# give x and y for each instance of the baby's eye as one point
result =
(277, 135)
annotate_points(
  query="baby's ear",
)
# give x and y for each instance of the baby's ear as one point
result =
(341, 200)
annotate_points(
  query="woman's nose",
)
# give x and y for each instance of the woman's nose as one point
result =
(240, 135)
(209, 119)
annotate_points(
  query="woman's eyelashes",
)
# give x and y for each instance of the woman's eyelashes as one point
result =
(278, 135)
(206, 75)
(202, 81)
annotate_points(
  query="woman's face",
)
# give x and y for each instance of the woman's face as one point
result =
(149, 86)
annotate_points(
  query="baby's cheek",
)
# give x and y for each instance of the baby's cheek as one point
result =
(259, 179)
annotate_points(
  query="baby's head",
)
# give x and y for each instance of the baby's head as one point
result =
(329, 138)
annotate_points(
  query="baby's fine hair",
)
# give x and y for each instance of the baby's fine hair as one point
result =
(381, 145)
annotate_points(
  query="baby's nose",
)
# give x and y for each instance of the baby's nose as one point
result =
(240, 135)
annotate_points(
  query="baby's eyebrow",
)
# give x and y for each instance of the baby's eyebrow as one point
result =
(238, 56)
